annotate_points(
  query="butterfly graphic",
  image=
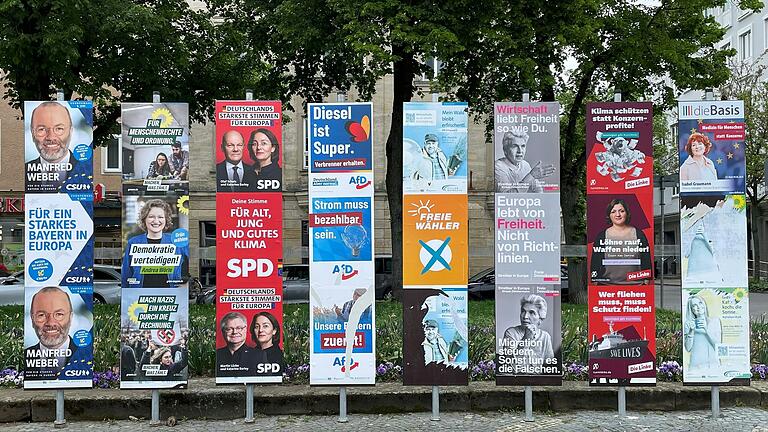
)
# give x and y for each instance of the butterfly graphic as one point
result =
(360, 131)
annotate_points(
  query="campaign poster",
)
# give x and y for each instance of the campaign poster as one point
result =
(435, 240)
(620, 147)
(528, 336)
(713, 239)
(711, 147)
(58, 152)
(622, 330)
(527, 247)
(435, 147)
(342, 343)
(249, 283)
(154, 335)
(620, 239)
(526, 138)
(155, 142)
(58, 245)
(716, 336)
(249, 146)
(435, 340)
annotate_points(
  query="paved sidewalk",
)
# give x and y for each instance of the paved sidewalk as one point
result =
(734, 419)
(205, 400)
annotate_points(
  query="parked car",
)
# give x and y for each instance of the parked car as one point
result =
(296, 283)
(482, 286)
(106, 286)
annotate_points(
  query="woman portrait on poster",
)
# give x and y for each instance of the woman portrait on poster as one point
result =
(159, 167)
(155, 219)
(265, 332)
(701, 334)
(620, 234)
(162, 356)
(697, 166)
(264, 149)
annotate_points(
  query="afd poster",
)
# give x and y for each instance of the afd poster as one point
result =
(435, 147)
(341, 231)
(58, 245)
(435, 243)
(622, 329)
(249, 246)
(528, 337)
(155, 266)
(716, 336)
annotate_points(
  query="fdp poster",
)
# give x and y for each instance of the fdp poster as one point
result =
(249, 214)
(341, 231)
(716, 344)
(435, 237)
(622, 328)
(527, 246)
(58, 245)
(155, 265)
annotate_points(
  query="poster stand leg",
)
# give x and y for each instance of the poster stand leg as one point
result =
(435, 403)
(249, 403)
(342, 405)
(622, 401)
(155, 421)
(528, 403)
(715, 402)
(60, 421)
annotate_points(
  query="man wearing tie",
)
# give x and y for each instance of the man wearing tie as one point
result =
(233, 175)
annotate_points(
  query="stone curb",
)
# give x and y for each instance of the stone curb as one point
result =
(206, 400)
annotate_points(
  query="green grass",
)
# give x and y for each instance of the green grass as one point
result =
(389, 333)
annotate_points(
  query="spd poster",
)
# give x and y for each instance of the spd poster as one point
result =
(155, 266)
(341, 233)
(249, 246)
(622, 329)
(58, 245)
(435, 238)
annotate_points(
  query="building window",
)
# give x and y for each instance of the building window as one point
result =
(433, 68)
(341, 96)
(305, 158)
(745, 45)
(111, 156)
(207, 252)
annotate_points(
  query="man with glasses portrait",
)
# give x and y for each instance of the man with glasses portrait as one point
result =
(236, 358)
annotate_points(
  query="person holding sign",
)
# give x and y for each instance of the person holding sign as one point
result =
(529, 344)
(513, 173)
(698, 166)
(264, 150)
(157, 363)
(620, 250)
(160, 266)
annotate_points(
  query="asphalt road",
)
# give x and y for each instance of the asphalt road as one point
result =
(758, 302)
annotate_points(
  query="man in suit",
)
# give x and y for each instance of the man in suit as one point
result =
(56, 352)
(233, 175)
(51, 128)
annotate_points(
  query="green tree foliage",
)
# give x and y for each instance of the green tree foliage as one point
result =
(121, 50)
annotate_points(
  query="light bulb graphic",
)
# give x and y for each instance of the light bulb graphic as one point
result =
(354, 237)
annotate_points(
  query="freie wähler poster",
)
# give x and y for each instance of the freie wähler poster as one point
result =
(342, 347)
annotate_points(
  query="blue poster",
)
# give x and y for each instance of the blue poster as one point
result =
(341, 229)
(339, 137)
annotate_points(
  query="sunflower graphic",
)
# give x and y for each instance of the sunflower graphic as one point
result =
(739, 202)
(739, 294)
(183, 204)
(134, 310)
(165, 114)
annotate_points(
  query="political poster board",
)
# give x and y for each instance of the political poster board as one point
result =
(58, 245)
(341, 232)
(435, 243)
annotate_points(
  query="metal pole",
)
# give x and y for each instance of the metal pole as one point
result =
(435, 403)
(528, 403)
(155, 97)
(526, 95)
(622, 401)
(155, 421)
(663, 216)
(60, 421)
(342, 405)
(249, 403)
(616, 95)
(248, 94)
(59, 94)
(715, 402)
(435, 97)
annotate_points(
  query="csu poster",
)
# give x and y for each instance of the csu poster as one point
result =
(435, 237)
(154, 311)
(249, 246)
(341, 232)
(715, 300)
(527, 246)
(622, 323)
(58, 245)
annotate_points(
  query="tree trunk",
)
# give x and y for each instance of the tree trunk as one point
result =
(755, 232)
(403, 75)
(572, 205)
